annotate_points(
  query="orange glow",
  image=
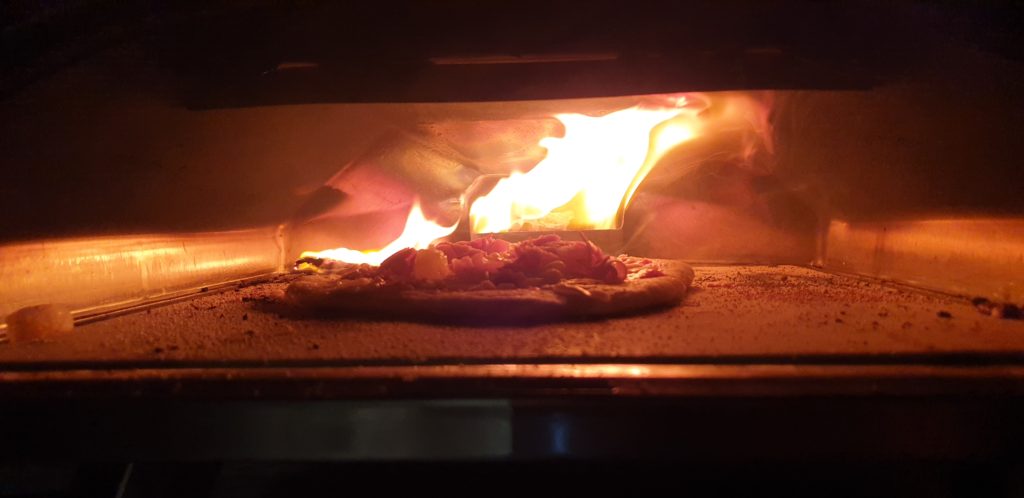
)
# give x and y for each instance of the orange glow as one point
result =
(418, 233)
(589, 173)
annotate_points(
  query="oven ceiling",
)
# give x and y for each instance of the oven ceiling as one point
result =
(230, 54)
(480, 51)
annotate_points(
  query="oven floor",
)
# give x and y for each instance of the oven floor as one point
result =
(740, 313)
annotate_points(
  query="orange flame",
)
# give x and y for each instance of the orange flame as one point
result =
(589, 173)
(418, 233)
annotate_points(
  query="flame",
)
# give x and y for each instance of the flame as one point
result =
(418, 233)
(589, 173)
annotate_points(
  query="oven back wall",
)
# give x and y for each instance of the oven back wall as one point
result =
(104, 148)
(918, 180)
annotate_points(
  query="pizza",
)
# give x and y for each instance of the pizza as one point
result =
(489, 280)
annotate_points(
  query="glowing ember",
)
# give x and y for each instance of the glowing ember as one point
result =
(418, 233)
(588, 174)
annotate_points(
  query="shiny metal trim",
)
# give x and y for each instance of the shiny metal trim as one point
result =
(961, 256)
(518, 380)
(97, 274)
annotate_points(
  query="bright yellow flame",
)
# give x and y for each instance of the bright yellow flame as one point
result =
(589, 173)
(418, 233)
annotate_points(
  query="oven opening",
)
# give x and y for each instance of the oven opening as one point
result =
(674, 232)
(800, 249)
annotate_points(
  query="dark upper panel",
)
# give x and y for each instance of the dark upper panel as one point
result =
(478, 51)
(232, 54)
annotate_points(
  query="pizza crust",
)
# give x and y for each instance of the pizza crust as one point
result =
(570, 299)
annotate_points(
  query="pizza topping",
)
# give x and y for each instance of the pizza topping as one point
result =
(640, 267)
(616, 271)
(575, 259)
(649, 273)
(399, 266)
(457, 250)
(485, 246)
(430, 265)
(475, 267)
(489, 263)
(490, 245)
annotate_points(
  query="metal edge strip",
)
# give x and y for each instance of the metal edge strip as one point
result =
(505, 380)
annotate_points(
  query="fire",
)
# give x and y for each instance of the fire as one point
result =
(418, 233)
(590, 174)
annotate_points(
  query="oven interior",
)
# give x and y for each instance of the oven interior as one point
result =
(852, 205)
(822, 223)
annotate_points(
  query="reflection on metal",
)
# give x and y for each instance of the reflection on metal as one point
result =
(399, 430)
(461, 429)
(378, 188)
(660, 226)
(101, 273)
(560, 429)
(515, 380)
(970, 257)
